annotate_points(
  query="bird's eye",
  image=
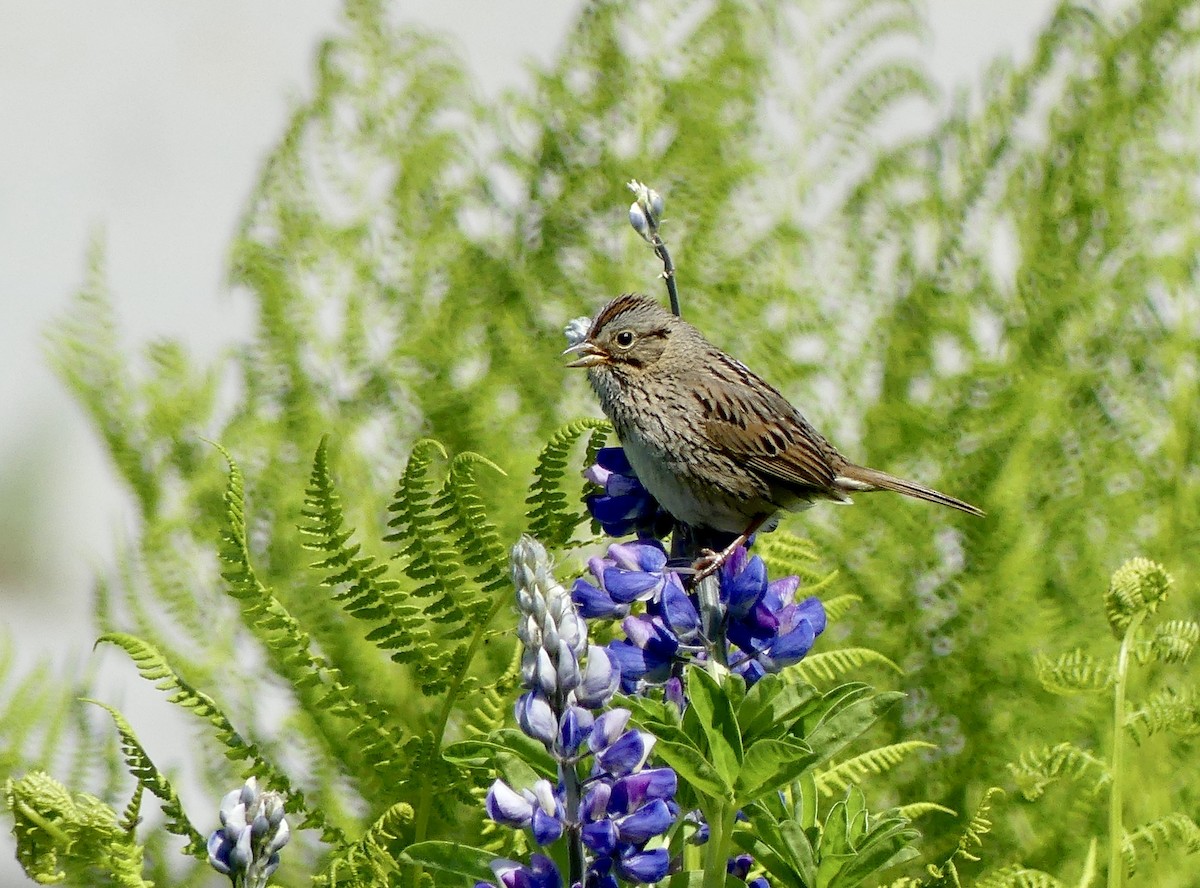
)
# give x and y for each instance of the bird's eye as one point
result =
(625, 338)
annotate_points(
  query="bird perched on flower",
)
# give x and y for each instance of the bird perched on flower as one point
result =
(714, 443)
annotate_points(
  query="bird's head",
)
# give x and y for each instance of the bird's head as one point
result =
(631, 333)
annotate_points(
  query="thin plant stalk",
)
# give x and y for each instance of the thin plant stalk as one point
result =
(1116, 827)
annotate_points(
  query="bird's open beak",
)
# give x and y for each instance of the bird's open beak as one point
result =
(588, 355)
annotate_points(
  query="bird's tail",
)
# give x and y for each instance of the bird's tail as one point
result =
(852, 478)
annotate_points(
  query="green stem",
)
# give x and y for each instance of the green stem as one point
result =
(425, 797)
(1116, 827)
(720, 825)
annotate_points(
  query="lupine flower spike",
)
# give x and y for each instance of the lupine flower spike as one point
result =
(610, 818)
(253, 830)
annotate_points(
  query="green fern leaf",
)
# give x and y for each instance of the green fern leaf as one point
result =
(1072, 673)
(1167, 711)
(153, 667)
(376, 754)
(787, 554)
(475, 535)
(837, 607)
(365, 593)
(1016, 876)
(913, 810)
(552, 516)
(1175, 640)
(149, 777)
(63, 836)
(1172, 831)
(830, 665)
(840, 776)
(371, 860)
(1035, 770)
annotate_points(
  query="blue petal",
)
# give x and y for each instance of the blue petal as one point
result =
(812, 610)
(791, 647)
(594, 603)
(744, 590)
(636, 789)
(782, 592)
(644, 555)
(645, 866)
(608, 728)
(506, 805)
(601, 676)
(650, 820)
(631, 661)
(611, 509)
(626, 755)
(546, 828)
(628, 585)
(536, 718)
(739, 865)
(600, 836)
(573, 728)
(615, 460)
(678, 611)
(594, 805)
(652, 635)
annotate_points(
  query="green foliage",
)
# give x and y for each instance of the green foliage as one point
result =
(848, 847)
(1000, 302)
(65, 836)
(1137, 589)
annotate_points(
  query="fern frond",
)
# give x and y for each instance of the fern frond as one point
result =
(154, 667)
(401, 628)
(1035, 770)
(453, 550)
(1168, 710)
(1017, 876)
(85, 352)
(1073, 672)
(552, 515)
(367, 595)
(1158, 836)
(376, 756)
(840, 605)
(371, 860)
(148, 776)
(63, 836)
(829, 665)
(786, 554)
(913, 810)
(1175, 640)
(475, 535)
(836, 778)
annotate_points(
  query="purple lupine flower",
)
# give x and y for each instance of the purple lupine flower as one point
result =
(766, 623)
(633, 571)
(540, 873)
(624, 806)
(765, 627)
(739, 867)
(625, 505)
(253, 830)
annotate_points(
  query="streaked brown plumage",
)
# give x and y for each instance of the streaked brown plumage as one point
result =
(715, 444)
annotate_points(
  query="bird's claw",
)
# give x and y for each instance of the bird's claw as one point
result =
(708, 564)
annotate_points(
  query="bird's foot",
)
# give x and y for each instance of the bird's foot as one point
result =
(710, 562)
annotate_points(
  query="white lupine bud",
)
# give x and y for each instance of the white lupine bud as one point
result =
(638, 219)
(576, 330)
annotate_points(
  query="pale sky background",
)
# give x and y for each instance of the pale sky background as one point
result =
(147, 122)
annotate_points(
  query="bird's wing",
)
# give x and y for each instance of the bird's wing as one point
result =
(750, 420)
